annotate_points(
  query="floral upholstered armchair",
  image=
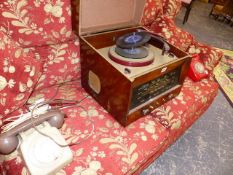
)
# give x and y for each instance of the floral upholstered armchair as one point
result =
(40, 59)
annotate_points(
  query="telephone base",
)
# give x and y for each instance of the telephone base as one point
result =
(41, 154)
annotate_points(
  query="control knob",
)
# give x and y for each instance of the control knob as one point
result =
(147, 110)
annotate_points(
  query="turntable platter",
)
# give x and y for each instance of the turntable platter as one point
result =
(133, 40)
(130, 61)
(134, 53)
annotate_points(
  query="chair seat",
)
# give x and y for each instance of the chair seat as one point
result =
(112, 148)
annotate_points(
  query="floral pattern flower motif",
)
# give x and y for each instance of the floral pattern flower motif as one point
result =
(180, 99)
(165, 116)
(193, 50)
(54, 10)
(128, 154)
(150, 128)
(92, 169)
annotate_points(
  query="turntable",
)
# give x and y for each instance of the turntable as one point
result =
(125, 68)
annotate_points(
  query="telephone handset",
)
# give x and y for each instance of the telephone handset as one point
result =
(9, 140)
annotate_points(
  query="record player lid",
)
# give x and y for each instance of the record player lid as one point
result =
(104, 15)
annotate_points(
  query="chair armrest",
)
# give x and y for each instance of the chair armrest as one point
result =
(209, 55)
(171, 8)
(19, 72)
(152, 10)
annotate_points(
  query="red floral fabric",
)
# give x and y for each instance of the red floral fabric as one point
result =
(19, 72)
(197, 95)
(113, 149)
(209, 55)
(62, 63)
(32, 23)
(171, 8)
(152, 10)
(166, 27)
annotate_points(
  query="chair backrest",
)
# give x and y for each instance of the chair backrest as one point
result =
(156, 8)
(171, 8)
(33, 23)
(153, 9)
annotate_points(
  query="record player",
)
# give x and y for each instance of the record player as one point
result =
(126, 69)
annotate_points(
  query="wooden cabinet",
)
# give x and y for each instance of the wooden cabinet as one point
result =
(129, 96)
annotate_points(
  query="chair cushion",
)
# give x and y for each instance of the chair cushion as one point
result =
(166, 27)
(19, 73)
(171, 8)
(33, 23)
(152, 10)
(113, 149)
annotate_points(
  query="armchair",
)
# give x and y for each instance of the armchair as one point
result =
(112, 149)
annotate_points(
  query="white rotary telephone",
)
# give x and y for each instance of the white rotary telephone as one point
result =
(41, 154)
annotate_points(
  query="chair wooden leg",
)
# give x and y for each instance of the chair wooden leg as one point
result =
(211, 12)
(184, 20)
(186, 15)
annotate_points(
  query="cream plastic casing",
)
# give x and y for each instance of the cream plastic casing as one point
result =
(42, 155)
